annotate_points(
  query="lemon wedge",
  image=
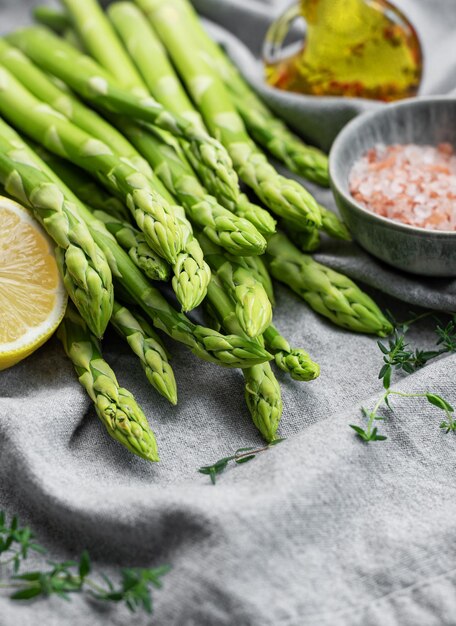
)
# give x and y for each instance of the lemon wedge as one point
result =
(32, 295)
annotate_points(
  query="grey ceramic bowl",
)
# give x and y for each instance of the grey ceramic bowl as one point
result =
(421, 121)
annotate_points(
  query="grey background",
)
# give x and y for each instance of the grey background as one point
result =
(320, 531)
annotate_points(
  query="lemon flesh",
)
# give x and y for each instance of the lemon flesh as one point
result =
(32, 295)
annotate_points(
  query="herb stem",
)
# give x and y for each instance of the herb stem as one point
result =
(416, 318)
(95, 586)
(250, 453)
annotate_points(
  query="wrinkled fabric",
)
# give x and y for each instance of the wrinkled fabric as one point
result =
(321, 530)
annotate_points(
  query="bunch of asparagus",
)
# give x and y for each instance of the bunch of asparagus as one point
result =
(132, 131)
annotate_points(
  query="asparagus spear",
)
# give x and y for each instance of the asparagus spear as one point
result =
(253, 307)
(115, 406)
(111, 213)
(264, 399)
(329, 293)
(260, 218)
(55, 19)
(93, 83)
(135, 244)
(148, 347)
(189, 292)
(82, 185)
(44, 89)
(332, 225)
(154, 216)
(284, 197)
(156, 70)
(262, 390)
(72, 37)
(86, 273)
(191, 272)
(151, 60)
(59, 22)
(235, 234)
(265, 127)
(271, 133)
(258, 269)
(226, 350)
(294, 361)
(305, 240)
(309, 240)
(102, 43)
(86, 188)
(155, 67)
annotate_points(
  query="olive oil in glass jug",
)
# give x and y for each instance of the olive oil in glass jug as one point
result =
(354, 48)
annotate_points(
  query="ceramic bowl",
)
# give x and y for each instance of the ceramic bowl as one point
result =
(422, 121)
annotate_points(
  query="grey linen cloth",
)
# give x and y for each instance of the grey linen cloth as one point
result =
(321, 530)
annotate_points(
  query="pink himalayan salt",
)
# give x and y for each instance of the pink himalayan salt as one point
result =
(409, 183)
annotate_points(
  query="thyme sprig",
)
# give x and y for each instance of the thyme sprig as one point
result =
(16, 543)
(242, 455)
(371, 431)
(398, 356)
(68, 577)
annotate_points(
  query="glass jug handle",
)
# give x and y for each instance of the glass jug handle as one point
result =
(277, 33)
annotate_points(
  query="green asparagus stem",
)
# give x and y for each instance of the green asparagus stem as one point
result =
(253, 307)
(262, 390)
(228, 351)
(55, 19)
(72, 37)
(148, 347)
(190, 293)
(329, 293)
(152, 62)
(157, 71)
(86, 273)
(113, 215)
(82, 185)
(294, 361)
(309, 240)
(305, 240)
(191, 272)
(331, 225)
(262, 124)
(264, 399)
(271, 133)
(238, 236)
(260, 218)
(225, 350)
(154, 216)
(102, 43)
(42, 87)
(93, 83)
(284, 197)
(115, 406)
(135, 244)
(258, 269)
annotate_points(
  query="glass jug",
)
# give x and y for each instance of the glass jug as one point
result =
(355, 48)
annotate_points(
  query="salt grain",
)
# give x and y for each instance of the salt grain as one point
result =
(409, 183)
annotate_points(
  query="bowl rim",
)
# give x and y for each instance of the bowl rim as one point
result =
(354, 125)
